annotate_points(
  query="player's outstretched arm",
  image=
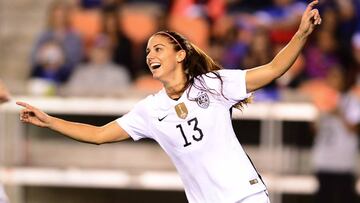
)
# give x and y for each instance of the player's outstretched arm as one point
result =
(110, 132)
(260, 76)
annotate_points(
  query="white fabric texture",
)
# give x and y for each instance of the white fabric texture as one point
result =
(261, 197)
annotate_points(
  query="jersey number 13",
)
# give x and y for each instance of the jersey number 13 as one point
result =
(199, 134)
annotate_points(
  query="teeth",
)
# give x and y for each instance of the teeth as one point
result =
(155, 65)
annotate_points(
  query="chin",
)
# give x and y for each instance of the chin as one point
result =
(156, 75)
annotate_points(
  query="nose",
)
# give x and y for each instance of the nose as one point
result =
(148, 60)
(149, 57)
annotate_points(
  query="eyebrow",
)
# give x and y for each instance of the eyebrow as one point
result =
(147, 49)
(159, 45)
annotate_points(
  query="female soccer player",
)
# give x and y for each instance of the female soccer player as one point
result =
(190, 116)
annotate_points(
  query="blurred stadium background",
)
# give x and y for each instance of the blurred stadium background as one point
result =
(38, 63)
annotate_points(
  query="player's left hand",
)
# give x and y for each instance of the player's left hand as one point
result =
(309, 19)
(33, 115)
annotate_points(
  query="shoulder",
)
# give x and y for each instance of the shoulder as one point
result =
(223, 74)
(83, 69)
(230, 72)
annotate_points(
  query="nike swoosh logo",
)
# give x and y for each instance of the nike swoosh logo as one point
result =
(160, 119)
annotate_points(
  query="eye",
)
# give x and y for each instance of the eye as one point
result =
(157, 49)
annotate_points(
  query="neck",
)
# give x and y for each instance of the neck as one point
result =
(175, 88)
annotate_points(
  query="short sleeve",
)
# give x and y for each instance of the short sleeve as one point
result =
(234, 85)
(134, 122)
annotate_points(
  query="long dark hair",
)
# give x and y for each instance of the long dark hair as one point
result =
(196, 65)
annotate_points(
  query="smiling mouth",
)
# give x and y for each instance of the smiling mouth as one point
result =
(155, 66)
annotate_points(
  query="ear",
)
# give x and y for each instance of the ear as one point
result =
(180, 56)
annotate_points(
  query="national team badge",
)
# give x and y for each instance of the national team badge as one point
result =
(181, 110)
(203, 100)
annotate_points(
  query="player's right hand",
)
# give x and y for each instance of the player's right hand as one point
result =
(310, 19)
(33, 115)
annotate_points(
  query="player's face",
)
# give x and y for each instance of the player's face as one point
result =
(162, 59)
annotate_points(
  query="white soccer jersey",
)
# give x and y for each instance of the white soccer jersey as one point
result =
(197, 133)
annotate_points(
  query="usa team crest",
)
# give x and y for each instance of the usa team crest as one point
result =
(203, 100)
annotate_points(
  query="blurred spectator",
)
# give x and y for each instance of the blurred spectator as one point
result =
(354, 69)
(199, 15)
(248, 6)
(99, 4)
(211, 10)
(50, 63)
(164, 5)
(90, 4)
(230, 41)
(58, 49)
(260, 52)
(336, 144)
(199, 33)
(321, 55)
(4, 93)
(260, 49)
(85, 19)
(281, 19)
(121, 47)
(111, 4)
(347, 14)
(98, 77)
(143, 16)
(356, 5)
(339, 17)
(322, 91)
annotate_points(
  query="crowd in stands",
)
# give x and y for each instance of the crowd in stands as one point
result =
(97, 47)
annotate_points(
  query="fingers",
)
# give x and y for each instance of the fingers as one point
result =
(317, 18)
(314, 17)
(25, 115)
(311, 5)
(25, 105)
(28, 113)
(312, 14)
